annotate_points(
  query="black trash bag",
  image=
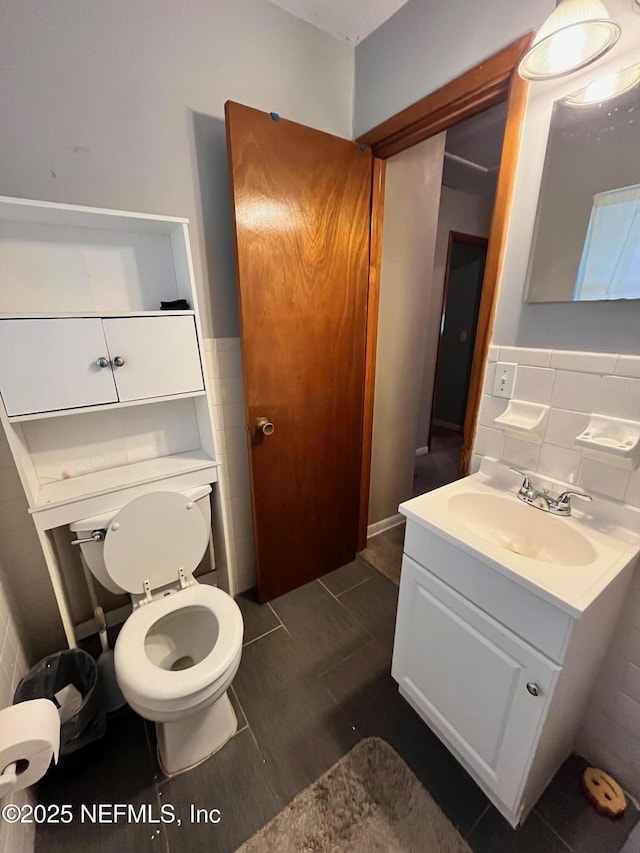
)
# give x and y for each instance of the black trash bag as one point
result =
(72, 666)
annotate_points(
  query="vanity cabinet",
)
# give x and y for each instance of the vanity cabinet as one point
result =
(497, 672)
(484, 687)
(56, 363)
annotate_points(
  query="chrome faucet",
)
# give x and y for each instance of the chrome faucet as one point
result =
(543, 500)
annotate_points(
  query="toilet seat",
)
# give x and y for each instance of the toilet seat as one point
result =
(154, 686)
(151, 538)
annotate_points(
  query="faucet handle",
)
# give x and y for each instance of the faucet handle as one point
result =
(526, 485)
(565, 498)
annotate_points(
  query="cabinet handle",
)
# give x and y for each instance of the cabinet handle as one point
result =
(533, 688)
(118, 361)
(102, 362)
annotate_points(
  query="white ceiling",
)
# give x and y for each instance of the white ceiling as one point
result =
(352, 20)
(477, 140)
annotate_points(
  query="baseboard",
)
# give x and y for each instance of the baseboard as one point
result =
(385, 524)
(422, 451)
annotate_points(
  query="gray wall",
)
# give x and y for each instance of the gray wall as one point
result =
(427, 43)
(121, 104)
(412, 196)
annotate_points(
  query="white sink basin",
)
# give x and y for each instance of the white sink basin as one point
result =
(568, 561)
(521, 529)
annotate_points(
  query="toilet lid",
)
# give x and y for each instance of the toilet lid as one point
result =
(151, 538)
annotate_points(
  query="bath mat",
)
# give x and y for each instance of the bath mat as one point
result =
(369, 802)
(384, 552)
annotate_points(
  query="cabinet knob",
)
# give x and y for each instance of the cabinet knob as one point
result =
(533, 688)
(265, 426)
(102, 362)
(118, 361)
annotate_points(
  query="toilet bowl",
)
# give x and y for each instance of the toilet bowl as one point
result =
(177, 653)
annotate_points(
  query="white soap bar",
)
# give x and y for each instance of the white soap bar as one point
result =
(69, 699)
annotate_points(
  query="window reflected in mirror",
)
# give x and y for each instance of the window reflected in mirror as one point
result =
(586, 244)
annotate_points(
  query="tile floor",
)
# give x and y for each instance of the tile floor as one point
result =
(314, 679)
(440, 465)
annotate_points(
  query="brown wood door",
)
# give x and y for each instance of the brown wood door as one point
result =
(302, 215)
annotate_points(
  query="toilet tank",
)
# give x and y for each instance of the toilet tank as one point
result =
(93, 552)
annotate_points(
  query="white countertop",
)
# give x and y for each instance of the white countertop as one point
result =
(571, 587)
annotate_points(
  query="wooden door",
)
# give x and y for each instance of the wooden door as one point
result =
(52, 364)
(302, 214)
(159, 354)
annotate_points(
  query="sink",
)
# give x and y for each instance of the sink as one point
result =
(507, 522)
(567, 561)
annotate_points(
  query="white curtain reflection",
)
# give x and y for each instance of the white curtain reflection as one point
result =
(610, 264)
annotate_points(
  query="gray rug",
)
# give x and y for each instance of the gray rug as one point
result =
(369, 802)
(384, 552)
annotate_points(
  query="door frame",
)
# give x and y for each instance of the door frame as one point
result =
(469, 240)
(491, 82)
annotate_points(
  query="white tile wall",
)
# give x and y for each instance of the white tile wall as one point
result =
(596, 382)
(579, 384)
(224, 368)
(26, 571)
(14, 838)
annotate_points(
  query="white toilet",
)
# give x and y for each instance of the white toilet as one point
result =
(177, 654)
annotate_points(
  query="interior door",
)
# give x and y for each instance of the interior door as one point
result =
(302, 214)
(159, 356)
(51, 364)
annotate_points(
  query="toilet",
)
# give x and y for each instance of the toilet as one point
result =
(177, 653)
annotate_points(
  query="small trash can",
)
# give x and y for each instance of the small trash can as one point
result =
(70, 680)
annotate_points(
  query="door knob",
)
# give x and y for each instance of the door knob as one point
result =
(533, 688)
(118, 361)
(102, 362)
(265, 426)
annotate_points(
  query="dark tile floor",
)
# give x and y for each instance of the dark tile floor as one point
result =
(314, 679)
(440, 465)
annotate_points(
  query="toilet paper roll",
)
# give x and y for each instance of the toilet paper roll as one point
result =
(30, 738)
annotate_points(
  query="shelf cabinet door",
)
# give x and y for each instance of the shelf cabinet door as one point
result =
(51, 364)
(468, 677)
(160, 355)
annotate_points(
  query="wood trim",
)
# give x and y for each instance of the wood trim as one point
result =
(470, 240)
(373, 304)
(474, 91)
(495, 259)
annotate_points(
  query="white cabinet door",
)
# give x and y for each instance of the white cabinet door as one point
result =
(468, 676)
(160, 356)
(51, 364)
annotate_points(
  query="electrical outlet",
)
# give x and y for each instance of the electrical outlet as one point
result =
(505, 379)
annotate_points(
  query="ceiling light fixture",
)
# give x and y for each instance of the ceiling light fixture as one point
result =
(605, 88)
(574, 35)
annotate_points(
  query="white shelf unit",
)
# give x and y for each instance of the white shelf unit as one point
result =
(87, 438)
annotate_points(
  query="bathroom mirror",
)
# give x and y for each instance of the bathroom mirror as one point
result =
(586, 241)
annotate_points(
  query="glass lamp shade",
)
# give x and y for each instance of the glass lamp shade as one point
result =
(605, 88)
(574, 35)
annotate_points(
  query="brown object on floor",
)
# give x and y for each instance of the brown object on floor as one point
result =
(369, 802)
(603, 792)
